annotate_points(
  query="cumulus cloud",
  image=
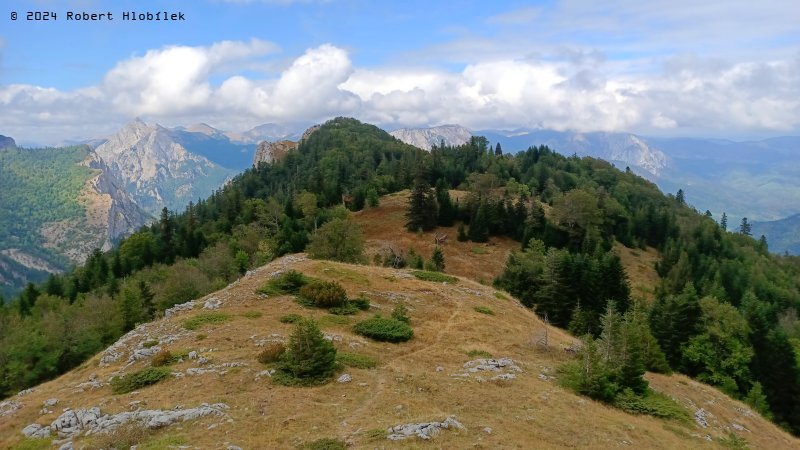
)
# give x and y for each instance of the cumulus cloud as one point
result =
(584, 91)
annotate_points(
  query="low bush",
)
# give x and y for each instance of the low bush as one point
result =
(138, 380)
(356, 360)
(309, 359)
(384, 329)
(253, 314)
(291, 318)
(324, 294)
(400, 312)
(150, 343)
(325, 444)
(360, 302)
(348, 309)
(205, 318)
(286, 283)
(166, 357)
(650, 403)
(271, 353)
(426, 275)
(478, 354)
(484, 310)
(33, 444)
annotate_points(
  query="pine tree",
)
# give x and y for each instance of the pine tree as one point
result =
(147, 296)
(479, 225)
(498, 151)
(745, 228)
(723, 222)
(447, 211)
(308, 356)
(422, 211)
(679, 197)
(437, 259)
(462, 234)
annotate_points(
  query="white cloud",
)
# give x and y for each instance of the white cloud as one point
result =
(173, 85)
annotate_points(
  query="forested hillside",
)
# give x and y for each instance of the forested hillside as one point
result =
(725, 309)
(39, 186)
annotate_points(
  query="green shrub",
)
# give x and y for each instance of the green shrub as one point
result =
(650, 403)
(356, 360)
(325, 444)
(324, 294)
(309, 359)
(33, 444)
(286, 283)
(271, 353)
(360, 302)
(478, 354)
(400, 312)
(436, 277)
(348, 309)
(734, 442)
(165, 358)
(138, 380)
(205, 318)
(291, 318)
(385, 330)
(484, 310)
(150, 343)
(252, 314)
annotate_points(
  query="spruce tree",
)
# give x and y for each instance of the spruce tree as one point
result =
(498, 151)
(745, 228)
(679, 197)
(479, 225)
(422, 213)
(309, 358)
(146, 296)
(462, 234)
(437, 259)
(723, 222)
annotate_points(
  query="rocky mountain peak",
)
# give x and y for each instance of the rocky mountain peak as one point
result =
(426, 138)
(6, 142)
(267, 152)
(156, 169)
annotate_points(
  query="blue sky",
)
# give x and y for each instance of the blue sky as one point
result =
(672, 68)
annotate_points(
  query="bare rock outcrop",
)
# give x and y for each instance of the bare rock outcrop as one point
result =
(267, 152)
(426, 138)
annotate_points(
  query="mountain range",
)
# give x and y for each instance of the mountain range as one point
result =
(145, 167)
(753, 179)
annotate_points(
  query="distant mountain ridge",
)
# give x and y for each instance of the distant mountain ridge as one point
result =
(6, 142)
(158, 171)
(58, 205)
(782, 235)
(426, 138)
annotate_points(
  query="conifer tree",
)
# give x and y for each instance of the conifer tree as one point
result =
(745, 228)
(422, 211)
(147, 296)
(679, 197)
(437, 259)
(308, 357)
(498, 151)
(723, 222)
(479, 225)
(462, 234)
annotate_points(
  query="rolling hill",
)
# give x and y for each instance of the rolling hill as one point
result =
(231, 400)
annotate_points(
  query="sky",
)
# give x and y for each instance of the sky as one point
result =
(725, 69)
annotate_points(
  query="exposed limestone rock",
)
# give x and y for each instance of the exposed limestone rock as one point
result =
(267, 152)
(212, 303)
(424, 430)
(9, 407)
(50, 402)
(309, 132)
(505, 365)
(177, 308)
(701, 417)
(345, 378)
(89, 421)
(24, 392)
(426, 138)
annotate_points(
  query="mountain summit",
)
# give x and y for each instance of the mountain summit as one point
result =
(426, 138)
(157, 170)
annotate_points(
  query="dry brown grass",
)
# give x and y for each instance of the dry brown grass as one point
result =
(640, 266)
(384, 227)
(526, 413)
